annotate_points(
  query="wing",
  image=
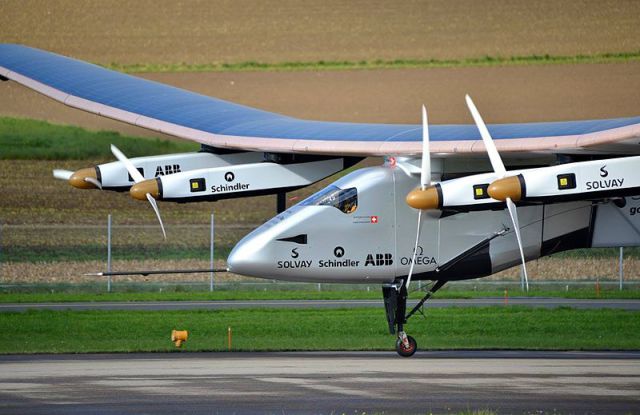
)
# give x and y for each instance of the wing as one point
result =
(225, 124)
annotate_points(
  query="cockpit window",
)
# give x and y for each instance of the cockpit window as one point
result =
(344, 199)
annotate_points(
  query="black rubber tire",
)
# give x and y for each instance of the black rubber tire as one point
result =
(406, 352)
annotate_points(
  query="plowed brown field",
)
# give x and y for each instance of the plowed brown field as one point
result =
(225, 31)
(199, 31)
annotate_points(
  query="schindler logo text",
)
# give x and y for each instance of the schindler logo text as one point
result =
(229, 187)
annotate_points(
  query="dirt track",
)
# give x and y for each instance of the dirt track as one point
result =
(165, 31)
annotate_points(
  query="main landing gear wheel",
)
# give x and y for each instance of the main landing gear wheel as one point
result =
(408, 348)
(395, 304)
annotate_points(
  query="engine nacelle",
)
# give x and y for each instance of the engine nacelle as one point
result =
(114, 175)
(564, 182)
(237, 181)
(571, 181)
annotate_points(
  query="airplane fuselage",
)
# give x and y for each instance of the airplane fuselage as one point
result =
(360, 230)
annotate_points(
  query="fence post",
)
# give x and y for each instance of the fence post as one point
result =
(211, 261)
(109, 252)
(0, 251)
(621, 266)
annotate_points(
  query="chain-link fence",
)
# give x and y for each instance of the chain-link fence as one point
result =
(61, 257)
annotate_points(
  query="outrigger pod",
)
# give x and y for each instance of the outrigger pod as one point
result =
(241, 180)
(584, 180)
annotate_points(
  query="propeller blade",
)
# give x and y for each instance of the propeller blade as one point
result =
(62, 174)
(425, 172)
(498, 167)
(425, 180)
(155, 209)
(133, 172)
(516, 227)
(494, 156)
(137, 178)
(415, 250)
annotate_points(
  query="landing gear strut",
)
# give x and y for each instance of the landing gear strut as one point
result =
(395, 302)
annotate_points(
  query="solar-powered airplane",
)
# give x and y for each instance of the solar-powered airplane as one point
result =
(438, 209)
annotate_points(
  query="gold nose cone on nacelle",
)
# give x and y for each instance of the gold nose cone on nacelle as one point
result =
(139, 190)
(77, 179)
(508, 187)
(424, 199)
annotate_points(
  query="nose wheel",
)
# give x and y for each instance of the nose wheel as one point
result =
(406, 346)
(395, 302)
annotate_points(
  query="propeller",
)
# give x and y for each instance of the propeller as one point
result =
(82, 179)
(138, 178)
(498, 167)
(425, 181)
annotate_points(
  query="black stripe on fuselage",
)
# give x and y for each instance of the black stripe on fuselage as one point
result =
(476, 265)
(580, 238)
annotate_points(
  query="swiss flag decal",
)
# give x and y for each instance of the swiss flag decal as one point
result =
(374, 219)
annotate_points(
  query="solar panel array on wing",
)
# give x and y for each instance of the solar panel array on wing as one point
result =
(208, 114)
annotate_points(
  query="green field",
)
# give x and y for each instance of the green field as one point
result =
(47, 293)
(377, 64)
(25, 139)
(308, 329)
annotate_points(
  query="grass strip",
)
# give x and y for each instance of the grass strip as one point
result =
(26, 139)
(177, 292)
(377, 63)
(308, 329)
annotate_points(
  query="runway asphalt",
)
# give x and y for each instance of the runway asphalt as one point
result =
(218, 305)
(329, 382)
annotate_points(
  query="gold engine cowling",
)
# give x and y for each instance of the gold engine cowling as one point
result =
(77, 179)
(512, 187)
(425, 199)
(139, 190)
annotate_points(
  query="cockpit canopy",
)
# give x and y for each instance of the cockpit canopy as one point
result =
(346, 200)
